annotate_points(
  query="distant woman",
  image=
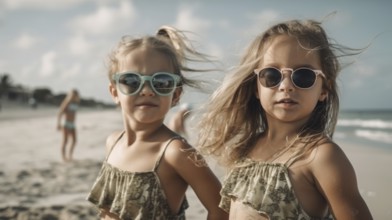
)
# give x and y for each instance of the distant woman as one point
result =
(68, 109)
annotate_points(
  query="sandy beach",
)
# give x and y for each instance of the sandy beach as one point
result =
(35, 184)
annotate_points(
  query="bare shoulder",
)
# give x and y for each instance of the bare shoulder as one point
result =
(329, 153)
(180, 153)
(331, 163)
(111, 139)
(178, 148)
(335, 178)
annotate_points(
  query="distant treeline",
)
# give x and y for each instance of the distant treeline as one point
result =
(19, 93)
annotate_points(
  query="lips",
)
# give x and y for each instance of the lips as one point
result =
(150, 104)
(286, 101)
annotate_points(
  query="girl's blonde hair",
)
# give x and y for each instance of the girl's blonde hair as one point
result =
(234, 118)
(169, 41)
(73, 96)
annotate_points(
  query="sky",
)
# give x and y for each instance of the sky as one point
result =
(63, 44)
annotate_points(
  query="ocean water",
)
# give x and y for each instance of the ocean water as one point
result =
(370, 127)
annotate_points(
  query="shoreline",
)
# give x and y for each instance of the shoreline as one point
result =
(22, 112)
(19, 113)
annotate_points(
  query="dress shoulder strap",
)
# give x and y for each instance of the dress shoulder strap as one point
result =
(114, 144)
(164, 150)
(292, 159)
(295, 156)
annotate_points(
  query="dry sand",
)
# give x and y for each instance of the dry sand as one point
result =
(35, 184)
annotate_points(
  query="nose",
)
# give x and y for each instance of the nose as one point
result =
(146, 90)
(286, 84)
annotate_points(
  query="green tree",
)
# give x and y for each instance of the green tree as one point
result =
(43, 95)
(5, 83)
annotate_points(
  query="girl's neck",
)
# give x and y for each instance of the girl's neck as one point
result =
(281, 132)
(143, 133)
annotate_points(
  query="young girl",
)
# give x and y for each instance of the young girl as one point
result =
(68, 109)
(148, 167)
(272, 122)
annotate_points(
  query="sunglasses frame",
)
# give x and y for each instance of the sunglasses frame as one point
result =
(143, 78)
(316, 72)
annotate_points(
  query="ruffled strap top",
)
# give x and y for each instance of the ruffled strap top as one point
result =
(266, 187)
(133, 195)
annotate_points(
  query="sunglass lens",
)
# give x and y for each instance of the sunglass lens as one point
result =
(304, 78)
(129, 83)
(270, 77)
(163, 83)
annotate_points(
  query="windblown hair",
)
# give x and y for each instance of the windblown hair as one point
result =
(169, 41)
(72, 96)
(234, 117)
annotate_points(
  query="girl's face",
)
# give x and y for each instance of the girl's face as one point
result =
(285, 102)
(146, 106)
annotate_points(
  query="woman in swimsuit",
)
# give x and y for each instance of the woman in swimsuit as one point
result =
(272, 122)
(68, 109)
(149, 167)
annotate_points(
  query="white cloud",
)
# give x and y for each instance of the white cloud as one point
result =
(39, 4)
(79, 45)
(186, 20)
(105, 19)
(48, 64)
(25, 41)
(73, 71)
(215, 51)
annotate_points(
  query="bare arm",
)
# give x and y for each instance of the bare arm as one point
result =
(336, 179)
(61, 112)
(111, 140)
(202, 180)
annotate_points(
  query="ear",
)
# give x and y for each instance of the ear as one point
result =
(176, 96)
(113, 93)
(323, 95)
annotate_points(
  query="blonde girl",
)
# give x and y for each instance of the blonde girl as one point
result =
(68, 109)
(148, 167)
(272, 123)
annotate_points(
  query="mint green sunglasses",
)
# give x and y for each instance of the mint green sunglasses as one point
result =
(162, 83)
